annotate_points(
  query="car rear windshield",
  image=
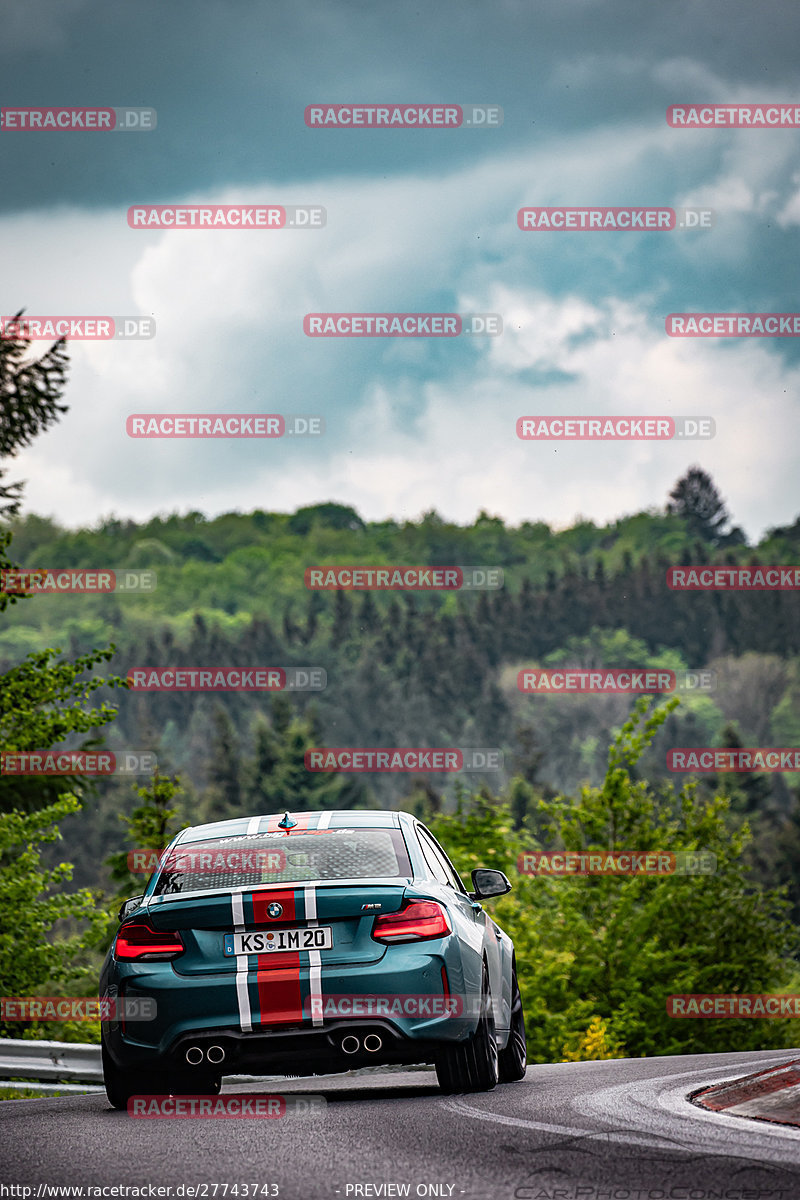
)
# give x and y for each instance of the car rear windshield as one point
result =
(253, 860)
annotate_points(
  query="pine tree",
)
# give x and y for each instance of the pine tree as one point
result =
(150, 827)
(277, 777)
(749, 791)
(259, 770)
(33, 904)
(696, 498)
(224, 772)
(30, 391)
(342, 618)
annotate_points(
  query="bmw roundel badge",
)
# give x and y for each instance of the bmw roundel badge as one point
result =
(274, 909)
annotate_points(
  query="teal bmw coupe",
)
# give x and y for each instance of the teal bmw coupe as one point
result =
(309, 943)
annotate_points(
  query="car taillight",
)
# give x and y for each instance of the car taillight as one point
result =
(416, 920)
(138, 940)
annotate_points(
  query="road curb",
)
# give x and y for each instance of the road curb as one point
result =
(772, 1095)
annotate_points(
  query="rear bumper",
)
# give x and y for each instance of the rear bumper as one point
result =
(203, 1011)
(339, 1046)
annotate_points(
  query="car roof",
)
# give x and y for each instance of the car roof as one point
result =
(340, 818)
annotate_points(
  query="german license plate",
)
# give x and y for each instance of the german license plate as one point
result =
(278, 941)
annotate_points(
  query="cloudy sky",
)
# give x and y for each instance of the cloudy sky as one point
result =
(417, 221)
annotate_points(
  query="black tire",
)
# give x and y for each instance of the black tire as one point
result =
(472, 1066)
(482, 1054)
(122, 1083)
(451, 1069)
(514, 1059)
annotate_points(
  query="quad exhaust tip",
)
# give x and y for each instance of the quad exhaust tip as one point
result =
(351, 1044)
(195, 1055)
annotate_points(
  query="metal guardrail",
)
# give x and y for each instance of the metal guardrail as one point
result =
(50, 1089)
(50, 1061)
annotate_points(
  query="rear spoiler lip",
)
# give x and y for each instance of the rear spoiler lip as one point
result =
(403, 882)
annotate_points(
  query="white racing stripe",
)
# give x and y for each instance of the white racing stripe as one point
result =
(242, 995)
(314, 959)
(325, 820)
(253, 824)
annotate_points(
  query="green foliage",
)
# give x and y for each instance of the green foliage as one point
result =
(254, 563)
(326, 516)
(42, 702)
(36, 955)
(597, 957)
(595, 1043)
(225, 793)
(30, 390)
(696, 500)
(277, 777)
(150, 826)
(438, 667)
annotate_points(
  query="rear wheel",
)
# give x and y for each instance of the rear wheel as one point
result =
(451, 1069)
(514, 1059)
(472, 1066)
(122, 1083)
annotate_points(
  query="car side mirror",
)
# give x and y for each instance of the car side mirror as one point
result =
(128, 907)
(488, 883)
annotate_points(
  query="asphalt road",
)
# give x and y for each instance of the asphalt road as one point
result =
(618, 1130)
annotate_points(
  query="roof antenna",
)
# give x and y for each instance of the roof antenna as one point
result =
(287, 823)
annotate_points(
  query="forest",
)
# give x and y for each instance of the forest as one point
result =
(426, 669)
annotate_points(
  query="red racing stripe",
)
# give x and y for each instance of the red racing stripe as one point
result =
(277, 976)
